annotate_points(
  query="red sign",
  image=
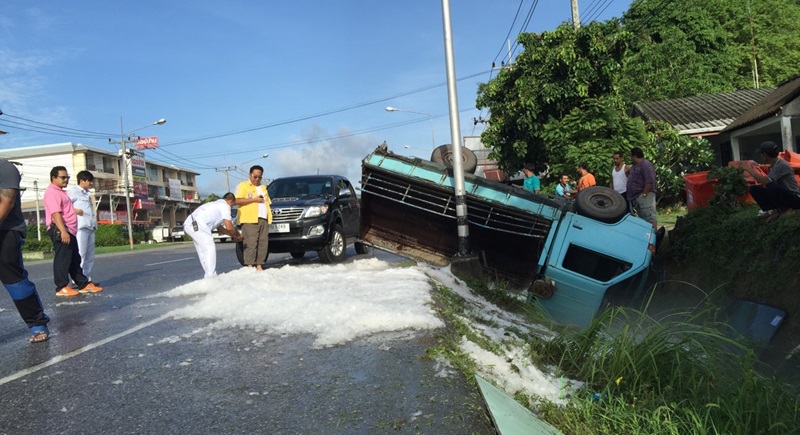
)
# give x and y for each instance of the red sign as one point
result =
(145, 143)
(144, 204)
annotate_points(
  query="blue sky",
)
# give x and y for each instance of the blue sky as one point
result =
(306, 82)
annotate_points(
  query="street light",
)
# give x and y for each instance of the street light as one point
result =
(124, 139)
(430, 118)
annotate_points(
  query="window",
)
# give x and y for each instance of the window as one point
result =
(593, 264)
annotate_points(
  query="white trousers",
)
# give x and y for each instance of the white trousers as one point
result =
(205, 247)
(86, 248)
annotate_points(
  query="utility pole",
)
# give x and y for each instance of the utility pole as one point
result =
(227, 180)
(36, 192)
(576, 21)
(124, 152)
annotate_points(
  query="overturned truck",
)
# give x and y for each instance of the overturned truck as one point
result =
(568, 257)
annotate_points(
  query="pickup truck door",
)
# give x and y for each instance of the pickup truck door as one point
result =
(587, 257)
(350, 208)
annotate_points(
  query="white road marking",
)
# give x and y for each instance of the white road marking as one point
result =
(76, 352)
(170, 261)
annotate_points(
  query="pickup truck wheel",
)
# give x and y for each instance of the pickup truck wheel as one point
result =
(361, 248)
(444, 154)
(601, 203)
(333, 252)
(299, 254)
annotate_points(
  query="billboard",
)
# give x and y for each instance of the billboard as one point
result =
(146, 143)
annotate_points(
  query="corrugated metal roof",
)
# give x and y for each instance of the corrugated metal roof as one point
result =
(770, 105)
(701, 113)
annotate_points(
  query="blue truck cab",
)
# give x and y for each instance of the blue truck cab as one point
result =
(566, 256)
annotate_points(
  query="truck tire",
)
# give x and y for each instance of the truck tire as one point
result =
(299, 254)
(444, 154)
(361, 248)
(601, 203)
(240, 254)
(334, 251)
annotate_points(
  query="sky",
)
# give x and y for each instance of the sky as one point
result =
(299, 300)
(305, 82)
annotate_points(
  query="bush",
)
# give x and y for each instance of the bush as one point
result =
(111, 235)
(32, 244)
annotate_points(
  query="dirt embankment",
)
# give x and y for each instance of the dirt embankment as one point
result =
(737, 255)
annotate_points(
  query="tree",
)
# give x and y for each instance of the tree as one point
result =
(555, 73)
(591, 133)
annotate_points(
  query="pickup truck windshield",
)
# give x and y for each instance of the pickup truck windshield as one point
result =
(300, 187)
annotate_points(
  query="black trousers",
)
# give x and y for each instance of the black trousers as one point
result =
(774, 196)
(66, 261)
(15, 279)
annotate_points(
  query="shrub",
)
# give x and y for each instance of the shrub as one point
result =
(110, 235)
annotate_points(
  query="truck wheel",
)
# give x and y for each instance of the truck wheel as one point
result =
(333, 252)
(361, 248)
(601, 203)
(444, 154)
(299, 254)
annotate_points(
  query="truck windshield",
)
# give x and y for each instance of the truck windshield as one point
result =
(593, 264)
(300, 187)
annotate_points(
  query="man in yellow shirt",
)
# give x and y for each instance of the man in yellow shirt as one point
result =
(254, 216)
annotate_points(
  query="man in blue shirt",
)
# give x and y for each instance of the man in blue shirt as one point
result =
(531, 182)
(563, 189)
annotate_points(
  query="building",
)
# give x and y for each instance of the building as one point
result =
(160, 194)
(705, 116)
(776, 117)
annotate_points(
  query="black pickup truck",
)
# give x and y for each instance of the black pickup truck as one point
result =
(313, 213)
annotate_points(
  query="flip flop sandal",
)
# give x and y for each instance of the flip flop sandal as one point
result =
(39, 337)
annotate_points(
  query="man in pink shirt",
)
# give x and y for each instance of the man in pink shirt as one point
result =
(62, 226)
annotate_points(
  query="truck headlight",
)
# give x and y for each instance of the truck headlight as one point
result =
(316, 210)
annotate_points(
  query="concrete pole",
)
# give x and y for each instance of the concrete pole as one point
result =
(576, 21)
(36, 192)
(126, 181)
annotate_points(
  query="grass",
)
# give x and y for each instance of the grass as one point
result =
(136, 247)
(682, 374)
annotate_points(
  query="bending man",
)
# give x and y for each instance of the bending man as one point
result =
(201, 222)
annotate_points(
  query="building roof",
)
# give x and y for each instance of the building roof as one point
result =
(770, 105)
(71, 147)
(701, 113)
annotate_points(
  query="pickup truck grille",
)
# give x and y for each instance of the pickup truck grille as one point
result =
(288, 214)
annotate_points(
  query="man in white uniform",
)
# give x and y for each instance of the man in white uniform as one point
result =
(87, 224)
(201, 222)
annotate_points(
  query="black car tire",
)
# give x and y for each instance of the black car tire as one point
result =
(601, 203)
(334, 251)
(444, 154)
(299, 254)
(240, 254)
(361, 248)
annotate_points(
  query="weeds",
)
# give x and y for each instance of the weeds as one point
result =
(682, 374)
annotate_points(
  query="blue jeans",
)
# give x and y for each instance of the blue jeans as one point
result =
(774, 196)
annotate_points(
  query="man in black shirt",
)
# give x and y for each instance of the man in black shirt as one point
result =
(12, 272)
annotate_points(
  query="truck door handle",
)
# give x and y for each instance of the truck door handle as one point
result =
(577, 226)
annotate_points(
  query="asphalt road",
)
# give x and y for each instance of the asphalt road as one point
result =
(116, 363)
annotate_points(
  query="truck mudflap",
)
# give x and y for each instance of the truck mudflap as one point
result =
(408, 207)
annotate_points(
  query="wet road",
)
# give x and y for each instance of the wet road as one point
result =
(116, 363)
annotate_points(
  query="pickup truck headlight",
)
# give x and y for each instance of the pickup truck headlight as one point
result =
(316, 210)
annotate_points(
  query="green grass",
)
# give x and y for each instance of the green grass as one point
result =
(136, 247)
(681, 374)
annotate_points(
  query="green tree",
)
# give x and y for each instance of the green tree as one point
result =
(674, 156)
(683, 48)
(555, 73)
(591, 133)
